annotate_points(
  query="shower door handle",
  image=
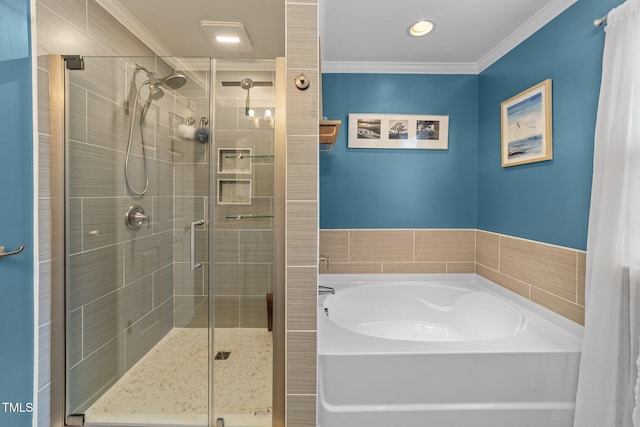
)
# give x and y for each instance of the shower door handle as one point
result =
(194, 264)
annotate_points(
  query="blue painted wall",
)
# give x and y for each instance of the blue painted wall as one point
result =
(16, 216)
(546, 201)
(367, 188)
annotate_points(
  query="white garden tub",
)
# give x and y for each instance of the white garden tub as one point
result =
(441, 350)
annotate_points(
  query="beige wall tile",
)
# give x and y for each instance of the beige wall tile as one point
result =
(488, 249)
(461, 267)
(334, 244)
(301, 411)
(302, 298)
(302, 105)
(510, 283)
(561, 306)
(302, 233)
(413, 267)
(352, 268)
(381, 245)
(582, 267)
(302, 173)
(301, 367)
(547, 267)
(302, 36)
(445, 246)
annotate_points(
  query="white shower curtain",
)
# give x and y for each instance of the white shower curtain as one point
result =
(608, 385)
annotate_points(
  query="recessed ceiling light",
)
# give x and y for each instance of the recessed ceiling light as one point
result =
(228, 39)
(421, 28)
(227, 35)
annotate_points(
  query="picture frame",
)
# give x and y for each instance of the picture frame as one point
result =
(526, 128)
(398, 131)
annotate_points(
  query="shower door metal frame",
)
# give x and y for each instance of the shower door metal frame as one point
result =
(57, 118)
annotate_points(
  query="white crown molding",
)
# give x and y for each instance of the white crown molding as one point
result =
(398, 67)
(523, 32)
(535, 23)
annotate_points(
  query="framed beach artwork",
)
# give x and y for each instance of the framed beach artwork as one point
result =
(526, 126)
(404, 131)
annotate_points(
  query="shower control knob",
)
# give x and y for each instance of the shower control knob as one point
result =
(135, 217)
(302, 82)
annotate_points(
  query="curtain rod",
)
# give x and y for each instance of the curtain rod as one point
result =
(599, 22)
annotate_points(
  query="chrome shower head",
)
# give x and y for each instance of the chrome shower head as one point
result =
(174, 81)
(155, 91)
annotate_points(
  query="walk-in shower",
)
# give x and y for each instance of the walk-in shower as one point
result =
(147, 308)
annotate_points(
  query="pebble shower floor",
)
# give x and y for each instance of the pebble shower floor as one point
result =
(172, 377)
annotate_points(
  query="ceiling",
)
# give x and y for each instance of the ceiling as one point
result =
(357, 35)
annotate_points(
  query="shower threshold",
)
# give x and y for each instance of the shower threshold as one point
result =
(168, 387)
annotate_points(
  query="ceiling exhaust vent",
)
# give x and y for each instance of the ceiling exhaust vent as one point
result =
(227, 35)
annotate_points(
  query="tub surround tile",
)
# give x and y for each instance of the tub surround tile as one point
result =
(352, 268)
(445, 245)
(488, 249)
(508, 282)
(334, 244)
(547, 267)
(549, 275)
(461, 267)
(561, 306)
(380, 245)
(582, 267)
(414, 267)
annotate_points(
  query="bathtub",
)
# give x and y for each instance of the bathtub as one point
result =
(441, 350)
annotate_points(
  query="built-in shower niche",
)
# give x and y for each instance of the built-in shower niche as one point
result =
(234, 160)
(234, 191)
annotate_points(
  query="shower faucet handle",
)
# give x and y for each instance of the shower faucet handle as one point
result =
(135, 217)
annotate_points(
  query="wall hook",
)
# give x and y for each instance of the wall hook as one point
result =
(3, 253)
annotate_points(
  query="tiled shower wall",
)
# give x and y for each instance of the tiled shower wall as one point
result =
(549, 275)
(123, 279)
(191, 201)
(244, 247)
(80, 27)
(120, 288)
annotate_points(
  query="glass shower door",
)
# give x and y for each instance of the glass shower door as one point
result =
(136, 230)
(244, 168)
